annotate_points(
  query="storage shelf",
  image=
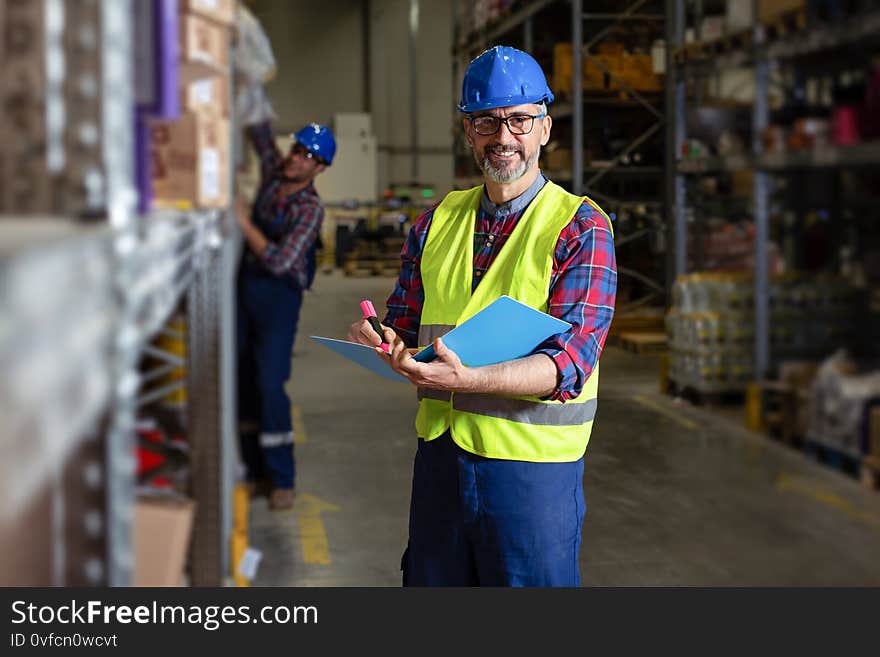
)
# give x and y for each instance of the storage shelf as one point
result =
(714, 164)
(857, 155)
(866, 154)
(501, 27)
(564, 109)
(66, 289)
(737, 50)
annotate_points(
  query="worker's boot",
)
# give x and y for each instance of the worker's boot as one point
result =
(258, 488)
(281, 499)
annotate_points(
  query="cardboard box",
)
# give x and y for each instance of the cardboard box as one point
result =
(221, 11)
(769, 9)
(592, 77)
(204, 48)
(162, 528)
(611, 48)
(637, 71)
(209, 96)
(190, 162)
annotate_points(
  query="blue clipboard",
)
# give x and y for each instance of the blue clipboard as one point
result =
(362, 355)
(506, 329)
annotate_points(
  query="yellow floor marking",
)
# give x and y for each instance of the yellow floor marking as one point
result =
(308, 509)
(788, 483)
(666, 412)
(299, 427)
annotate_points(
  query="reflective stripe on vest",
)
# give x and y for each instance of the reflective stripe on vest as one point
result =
(506, 427)
(515, 409)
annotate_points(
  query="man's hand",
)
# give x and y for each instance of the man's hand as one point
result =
(252, 235)
(242, 214)
(446, 372)
(362, 333)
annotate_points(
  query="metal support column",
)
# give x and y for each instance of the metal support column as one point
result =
(208, 550)
(414, 87)
(577, 98)
(528, 35)
(676, 127)
(761, 192)
(116, 107)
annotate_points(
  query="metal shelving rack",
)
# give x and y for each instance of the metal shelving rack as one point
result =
(71, 345)
(862, 28)
(582, 179)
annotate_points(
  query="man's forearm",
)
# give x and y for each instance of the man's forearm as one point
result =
(255, 239)
(533, 375)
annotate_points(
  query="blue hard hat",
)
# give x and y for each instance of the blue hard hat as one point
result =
(503, 76)
(319, 140)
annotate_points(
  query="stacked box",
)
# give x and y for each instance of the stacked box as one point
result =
(190, 162)
(593, 78)
(710, 327)
(637, 71)
(190, 156)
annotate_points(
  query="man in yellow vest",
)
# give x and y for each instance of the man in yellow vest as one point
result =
(497, 496)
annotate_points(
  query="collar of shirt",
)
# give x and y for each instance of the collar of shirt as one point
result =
(514, 205)
(277, 183)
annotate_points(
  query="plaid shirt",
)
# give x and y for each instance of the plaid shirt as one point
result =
(583, 283)
(291, 223)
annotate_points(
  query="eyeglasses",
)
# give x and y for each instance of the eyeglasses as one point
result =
(302, 151)
(518, 124)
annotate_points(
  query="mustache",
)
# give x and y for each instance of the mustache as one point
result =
(497, 148)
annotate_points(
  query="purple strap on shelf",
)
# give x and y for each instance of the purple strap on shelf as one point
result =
(142, 161)
(167, 78)
(159, 93)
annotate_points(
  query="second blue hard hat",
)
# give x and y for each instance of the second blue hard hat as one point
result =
(319, 140)
(503, 76)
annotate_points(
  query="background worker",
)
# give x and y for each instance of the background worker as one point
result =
(497, 493)
(281, 231)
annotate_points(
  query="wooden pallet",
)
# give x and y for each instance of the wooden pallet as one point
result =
(699, 397)
(362, 268)
(637, 324)
(643, 343)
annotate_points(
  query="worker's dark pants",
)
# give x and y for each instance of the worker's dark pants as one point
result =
(268, 311)
(487, 522)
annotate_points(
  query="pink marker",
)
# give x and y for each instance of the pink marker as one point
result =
(370, 315)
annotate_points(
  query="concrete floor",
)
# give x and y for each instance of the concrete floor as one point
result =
(676, 495)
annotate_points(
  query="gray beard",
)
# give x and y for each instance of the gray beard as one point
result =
(505, 175)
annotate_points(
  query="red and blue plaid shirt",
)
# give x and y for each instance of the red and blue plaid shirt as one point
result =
(583, 283)
(290, 222)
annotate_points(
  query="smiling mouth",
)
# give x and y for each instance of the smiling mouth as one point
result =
(504, 153)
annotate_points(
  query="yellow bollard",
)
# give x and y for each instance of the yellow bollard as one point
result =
(754, 416)
(239, 540)
(664, 373)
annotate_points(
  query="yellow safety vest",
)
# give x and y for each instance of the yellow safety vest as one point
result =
(502, 427)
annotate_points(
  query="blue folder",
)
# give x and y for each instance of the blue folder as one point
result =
(506, 329)
(362, 355)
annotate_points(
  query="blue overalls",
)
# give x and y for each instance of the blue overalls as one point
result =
(476, 521)
(267, 316)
